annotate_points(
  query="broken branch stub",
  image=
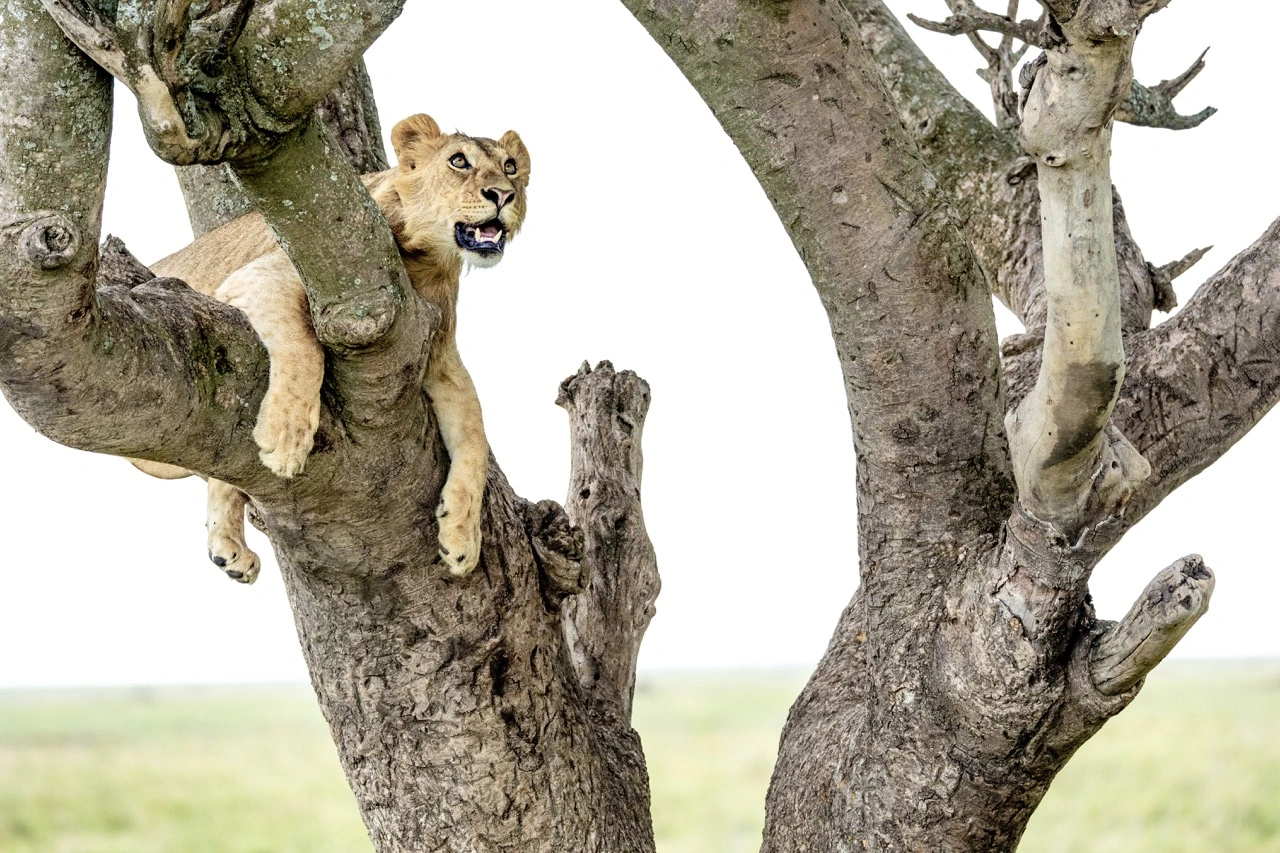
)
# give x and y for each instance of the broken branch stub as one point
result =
(605, 622)
(1173, 602)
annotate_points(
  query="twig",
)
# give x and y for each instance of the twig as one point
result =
(214, 63)
(1153, 106)
(969, 19)
(1165, 298)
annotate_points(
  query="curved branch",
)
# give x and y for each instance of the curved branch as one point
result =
(968, 18)
(803, 102)
(214, 197)
(210, 87)
(151, 370)
(1073, 471)
(1173, 602)
(298, 51)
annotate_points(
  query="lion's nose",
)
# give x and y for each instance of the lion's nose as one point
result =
(499, 197)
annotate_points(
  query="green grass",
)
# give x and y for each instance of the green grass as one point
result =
(1193, 765)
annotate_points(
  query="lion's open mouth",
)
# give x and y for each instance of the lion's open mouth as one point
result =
(487, 239)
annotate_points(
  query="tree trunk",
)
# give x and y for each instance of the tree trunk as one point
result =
(485, 714)
(493, 713)
(969, 665)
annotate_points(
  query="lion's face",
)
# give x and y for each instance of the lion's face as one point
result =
(460, 196)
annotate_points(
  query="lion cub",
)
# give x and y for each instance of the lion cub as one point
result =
(452, 199)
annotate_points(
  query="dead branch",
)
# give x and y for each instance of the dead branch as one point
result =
(1162, 278)
(967, 18)
(1153, 106)
(1162, 615)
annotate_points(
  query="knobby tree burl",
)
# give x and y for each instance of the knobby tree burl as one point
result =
(492, 714)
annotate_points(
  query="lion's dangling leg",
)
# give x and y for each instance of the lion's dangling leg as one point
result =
(457, 408)
(270, 294)
(225, 525)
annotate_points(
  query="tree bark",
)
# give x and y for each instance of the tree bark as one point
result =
(461, 709)
(493, 713)
(969, 665)
(214, 197)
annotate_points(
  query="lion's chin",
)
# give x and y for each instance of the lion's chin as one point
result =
(481, 260)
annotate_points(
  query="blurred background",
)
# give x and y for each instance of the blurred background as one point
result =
(148, 704)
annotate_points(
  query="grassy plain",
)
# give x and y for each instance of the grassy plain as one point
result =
(1193, 765)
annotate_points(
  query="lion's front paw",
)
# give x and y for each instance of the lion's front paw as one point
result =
(235, 558)
(459, 519)
(285, 431)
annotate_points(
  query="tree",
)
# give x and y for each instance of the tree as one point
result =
(493, 714)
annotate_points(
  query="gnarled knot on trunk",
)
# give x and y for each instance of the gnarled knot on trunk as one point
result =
(558, 549)
(49, 240)
(363, 322)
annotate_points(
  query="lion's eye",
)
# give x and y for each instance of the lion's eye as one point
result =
(459, 161)
(509, 167)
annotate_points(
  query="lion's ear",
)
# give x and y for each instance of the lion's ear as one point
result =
(409, 130)
(515, 147)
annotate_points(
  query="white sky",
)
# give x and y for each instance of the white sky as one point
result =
(650, 244)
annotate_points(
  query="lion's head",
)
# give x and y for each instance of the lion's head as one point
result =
(460, 196)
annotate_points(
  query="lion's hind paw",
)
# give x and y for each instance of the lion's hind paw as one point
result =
(459, 539)
(234, 558)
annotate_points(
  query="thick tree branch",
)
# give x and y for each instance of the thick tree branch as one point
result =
(958, 142)
(336, 237)
(1167, 609)
(1197, 383)
(605, 623)
(803, 101)
(214, 197)
(150, 370)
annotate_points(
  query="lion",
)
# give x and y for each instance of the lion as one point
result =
(451, 200)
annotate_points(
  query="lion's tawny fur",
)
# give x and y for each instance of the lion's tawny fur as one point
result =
(423, 199)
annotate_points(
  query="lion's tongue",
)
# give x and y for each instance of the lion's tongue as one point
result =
(489, 233)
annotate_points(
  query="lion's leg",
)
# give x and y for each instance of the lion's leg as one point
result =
(225, 524)
(270, 294)
(457, 408)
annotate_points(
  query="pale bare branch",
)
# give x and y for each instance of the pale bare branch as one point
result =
(1074, 470)
(968, 18)
(86, 29)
